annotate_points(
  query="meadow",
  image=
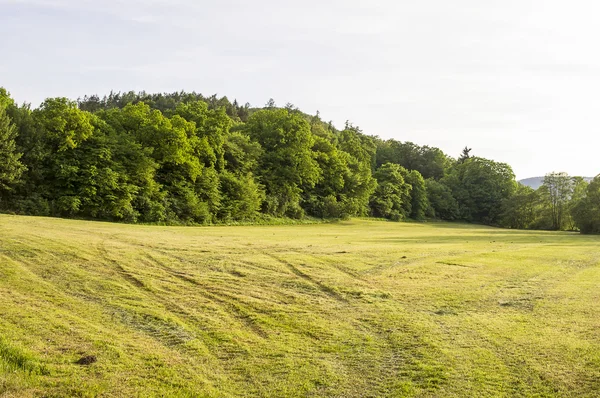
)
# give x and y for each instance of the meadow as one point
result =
(360, 308)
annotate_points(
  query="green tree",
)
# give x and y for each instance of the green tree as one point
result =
(362, 147)
(391, 194)
(287, 163)
(63, 124)
(465, 155)
(556, 191)
(212, 126)
(11, 167)
(5, 98)
(80, 175)
(241, 154)
(418, 195)
(59, 129)
(521, 209)
(480, 186)
(429, 161)
(359, 185)
(135, 161)
(358, 151)
(579, 192)
(90, 182)
(29, 195)
(188, 190)
(324, 199)
(442, 204)
(586, 211)
(336, 193)
(242, 197)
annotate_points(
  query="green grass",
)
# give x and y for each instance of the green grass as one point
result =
(351, 309)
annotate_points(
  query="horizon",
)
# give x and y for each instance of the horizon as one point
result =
(508, 81)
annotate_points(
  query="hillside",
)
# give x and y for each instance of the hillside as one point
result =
(362, 308)
(536, 182)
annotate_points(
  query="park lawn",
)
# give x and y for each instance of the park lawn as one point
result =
(360, 308)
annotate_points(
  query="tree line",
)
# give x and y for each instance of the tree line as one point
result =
(189, 159)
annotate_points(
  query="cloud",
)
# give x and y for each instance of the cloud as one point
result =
(497, 76)
(149, 19)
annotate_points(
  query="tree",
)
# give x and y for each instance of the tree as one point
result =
(556, 191)
(11, 167)
(442, 204)
(187, 189)
(480, 186)
(5, 98)
(520, 210)
(586, 211)
(64, 174)
(210, 125)
(465, 155)
(185, 158)
(242, 197)
(392, 193)
(345, 183)
(362, 147)
(325, 198)
(76, 174)
(63, 124)
(579, 192)
(29, 195)
(358, 151)
(429, 161)
(287, 163)
(241, 154)
(418, 195)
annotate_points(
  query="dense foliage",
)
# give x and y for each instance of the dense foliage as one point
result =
(186, 158)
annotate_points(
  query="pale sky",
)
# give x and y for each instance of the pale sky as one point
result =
(517, 81)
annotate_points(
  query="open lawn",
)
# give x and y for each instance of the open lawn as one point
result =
(362, 308)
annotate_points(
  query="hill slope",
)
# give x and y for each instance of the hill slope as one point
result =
(360, 308)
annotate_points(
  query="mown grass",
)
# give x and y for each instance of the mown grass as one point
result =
(352, 309)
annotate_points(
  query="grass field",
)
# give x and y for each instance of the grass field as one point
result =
(361, 308)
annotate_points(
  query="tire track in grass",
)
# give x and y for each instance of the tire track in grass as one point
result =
(405, 364)
(166, 331)
(226, 301)
(252, 265)
(121, 270)
(335, 264)
(323, 287)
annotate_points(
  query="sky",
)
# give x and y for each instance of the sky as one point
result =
(516, 81)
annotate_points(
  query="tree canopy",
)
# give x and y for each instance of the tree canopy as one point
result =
(188, 158)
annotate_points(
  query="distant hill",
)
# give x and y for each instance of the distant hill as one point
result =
(536, 182)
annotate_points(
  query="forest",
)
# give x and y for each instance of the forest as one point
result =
(183, 158)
